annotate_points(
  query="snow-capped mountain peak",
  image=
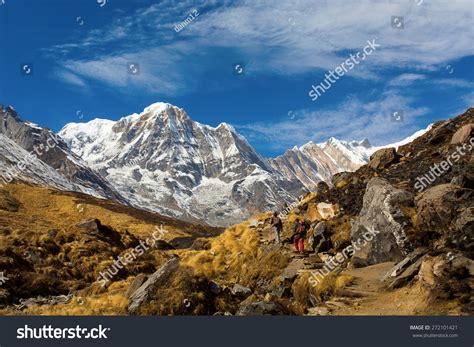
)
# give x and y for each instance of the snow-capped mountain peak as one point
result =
(162, 160)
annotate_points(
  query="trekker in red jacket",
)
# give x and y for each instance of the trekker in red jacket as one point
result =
(299, 235)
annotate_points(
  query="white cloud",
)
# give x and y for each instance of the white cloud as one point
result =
(406, 79)
(71, 78)
(454, 82)
(352, 120)
(282, 37)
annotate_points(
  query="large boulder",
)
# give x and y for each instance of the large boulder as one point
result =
(8, 202)
(382, 158)
(378, 234)
(94, 228)
(448, 277)
(326, 210)
(319, 239)
(147, 289)
(462, 134)
(437, 208)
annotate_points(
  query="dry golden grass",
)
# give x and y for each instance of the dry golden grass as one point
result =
(235, 257)
(112, 302)
(46, 254)
(341, 227)
(304, 287)
(44, 209)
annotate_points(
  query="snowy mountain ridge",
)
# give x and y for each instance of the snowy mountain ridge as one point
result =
(186, 169)
(163, 161)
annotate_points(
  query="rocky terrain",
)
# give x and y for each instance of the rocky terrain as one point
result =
(377, 244)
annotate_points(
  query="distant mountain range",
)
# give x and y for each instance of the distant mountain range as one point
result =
(161, 160)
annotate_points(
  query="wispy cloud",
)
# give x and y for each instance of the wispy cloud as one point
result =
(283, 37)
(454, 82)
(70, 78)
(406, 79)
(353, 119)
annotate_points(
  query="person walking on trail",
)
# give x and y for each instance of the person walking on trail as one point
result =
(277, 226)
(300, 233)
(295, 226)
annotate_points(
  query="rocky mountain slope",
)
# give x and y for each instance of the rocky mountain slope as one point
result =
(161, 160)
(313, 163)
(52, 162)
(387, 247)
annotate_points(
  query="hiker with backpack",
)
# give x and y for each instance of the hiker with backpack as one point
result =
(299, 235)
(277, 226)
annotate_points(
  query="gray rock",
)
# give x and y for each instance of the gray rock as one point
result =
(241, 291)
(261, 308)
(136, 283)
(378, 232)
(291, 271)
(462, 134)
(319, 239)
(382, 158)
(409, 259)
(91, 225)
(163, 245)
(407, 275)
(283, 289)
(436, 207)
(157, 279)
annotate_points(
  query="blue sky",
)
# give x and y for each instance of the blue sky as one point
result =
(80, 51)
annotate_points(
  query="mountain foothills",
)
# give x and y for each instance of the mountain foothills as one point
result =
(389, 230)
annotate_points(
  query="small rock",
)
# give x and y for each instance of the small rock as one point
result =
(215, 288)
(261, 308)
(241, 291)
(318, 311)
(163, 245)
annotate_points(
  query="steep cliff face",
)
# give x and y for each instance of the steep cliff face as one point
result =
(163, 161)
(52, 162)
(313, 163)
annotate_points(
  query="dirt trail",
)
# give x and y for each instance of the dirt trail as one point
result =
(367, 295)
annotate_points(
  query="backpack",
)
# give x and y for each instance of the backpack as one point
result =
(302, 230)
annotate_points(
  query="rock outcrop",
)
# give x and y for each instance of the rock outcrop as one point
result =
(143, 294)
(381, 213)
